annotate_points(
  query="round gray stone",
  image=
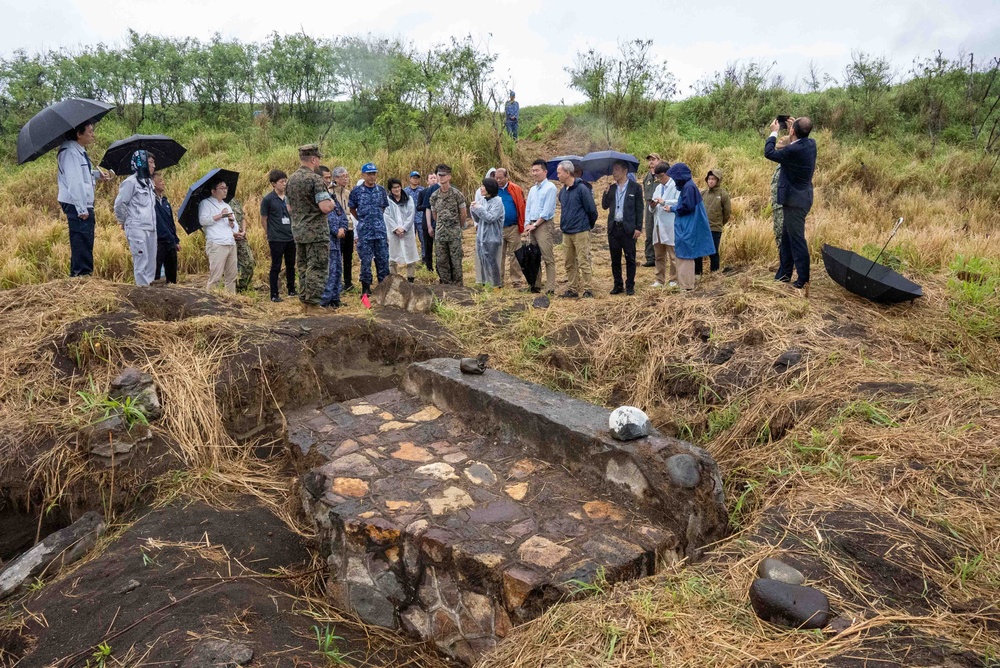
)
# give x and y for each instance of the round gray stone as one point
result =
(790, 605)
(628, 423)
(213, 653)
(774, 569)
(684, 471)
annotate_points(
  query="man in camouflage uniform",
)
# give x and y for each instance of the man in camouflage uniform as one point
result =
(449, 209)
(367, 203)
(649, 183)
(308, 204)
(245, 261)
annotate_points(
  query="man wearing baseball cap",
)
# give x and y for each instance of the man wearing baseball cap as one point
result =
(368, 202)
(308, 202)
(649, 183)
(414, 190)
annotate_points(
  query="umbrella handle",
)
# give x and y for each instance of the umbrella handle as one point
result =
(895, 228)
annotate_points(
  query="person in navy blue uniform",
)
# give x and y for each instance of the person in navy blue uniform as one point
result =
(795, 195)
(167, 242)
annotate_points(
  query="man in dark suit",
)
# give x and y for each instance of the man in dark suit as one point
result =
(795, 195)
(625, 205)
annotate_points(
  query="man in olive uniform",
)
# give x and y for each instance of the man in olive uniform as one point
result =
(245, 261)
(308, 203)
(649, 183)
(449, 210)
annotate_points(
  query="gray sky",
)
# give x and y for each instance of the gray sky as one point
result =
(536, 40)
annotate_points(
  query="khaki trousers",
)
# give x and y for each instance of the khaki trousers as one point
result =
(511, 242)
(665, 258)
(542, 237)
(576, 248)
(221, 265)
(685, 274)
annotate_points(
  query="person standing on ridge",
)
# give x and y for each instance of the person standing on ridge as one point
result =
(309, 202)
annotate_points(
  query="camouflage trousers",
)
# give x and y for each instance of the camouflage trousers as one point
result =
(778, 218)
(376, 249)
(448, 258)
(245, 264)
(313, 266)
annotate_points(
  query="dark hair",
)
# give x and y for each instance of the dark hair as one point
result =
(492, 187)
(661, 167)
(443, 168)
(541, 163)
(393, 182)
(276, 175)
(75, 133)
(802, 127)
(323, 169)
(219, 182)
(620, 163)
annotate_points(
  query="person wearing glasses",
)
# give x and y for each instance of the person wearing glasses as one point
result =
(219, 224)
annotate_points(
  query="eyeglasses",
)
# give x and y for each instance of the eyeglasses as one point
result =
(222, 187)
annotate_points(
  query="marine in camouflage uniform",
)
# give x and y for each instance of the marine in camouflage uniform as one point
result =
(777, 211)
(448, 207)
(303, 194)
(245, 261)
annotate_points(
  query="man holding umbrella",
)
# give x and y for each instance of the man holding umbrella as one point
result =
(308, 203)
(76, 195)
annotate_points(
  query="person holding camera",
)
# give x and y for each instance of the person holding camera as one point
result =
(795, 195)
(219, 223)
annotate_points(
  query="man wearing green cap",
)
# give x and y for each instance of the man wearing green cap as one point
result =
(308, 203)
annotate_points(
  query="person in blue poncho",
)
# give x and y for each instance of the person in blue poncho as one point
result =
(692, 234)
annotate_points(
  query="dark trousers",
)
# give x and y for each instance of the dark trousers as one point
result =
(81, 241)
(619, 242)
(428, 247)
(793, 250)
(282, 250)
(347, 256)
(166, 260)
(713, 259)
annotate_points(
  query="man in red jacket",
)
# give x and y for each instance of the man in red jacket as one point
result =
(513, 223)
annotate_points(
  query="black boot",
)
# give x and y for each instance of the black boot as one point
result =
(366, 288)
(410, 279)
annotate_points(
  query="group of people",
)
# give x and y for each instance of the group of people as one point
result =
(315, 222)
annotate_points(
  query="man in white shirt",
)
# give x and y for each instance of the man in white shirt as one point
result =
(664, 196)
(539, 211)
(76, 196)
(219, 223)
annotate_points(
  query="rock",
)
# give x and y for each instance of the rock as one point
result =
(774, 569)
(723, 355)
(112, 437)
(541, 551)
(787, 360)
(372, 606)
(790, 605)
(57, 550)
(396, 292)
(684, 471)
(475, 365)
(214, 653)
(480, 474)
(130, 586)
(540, 302)
(628, 423)
(133, 384)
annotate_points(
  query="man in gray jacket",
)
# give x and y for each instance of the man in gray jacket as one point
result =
(76, 196)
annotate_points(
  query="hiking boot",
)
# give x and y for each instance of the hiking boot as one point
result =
(293, 293)
(629, 292)
(656, 284)
(649, 264)
(276, 299)
(617, 290)
(569, 294)
(366, 288)
(587, 294)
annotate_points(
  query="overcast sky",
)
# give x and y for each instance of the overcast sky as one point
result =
(536, 40)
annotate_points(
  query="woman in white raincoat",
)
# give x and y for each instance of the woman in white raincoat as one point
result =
(489, 216)
(664, 197)
(479, 199)
(399, 228)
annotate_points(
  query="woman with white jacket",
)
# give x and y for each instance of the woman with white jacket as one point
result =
(399, 229)
(664, 196)
(219, 224)
(135, 209)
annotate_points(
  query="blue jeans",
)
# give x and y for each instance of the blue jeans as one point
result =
(333, 285)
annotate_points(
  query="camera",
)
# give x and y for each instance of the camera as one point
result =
(783, 121)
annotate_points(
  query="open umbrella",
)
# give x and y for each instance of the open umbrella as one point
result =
(866, 278)
(166, 151)
(45, 130)
(529, 256)
(187, 215)
(550, 165)
(598, 163)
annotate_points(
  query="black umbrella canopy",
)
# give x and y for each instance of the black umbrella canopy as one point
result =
(529, 257)
(45, 130)
(187, 215)
(599, 163)
(868, 279)
(166, 152)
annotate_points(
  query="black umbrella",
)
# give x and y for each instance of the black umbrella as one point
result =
(529, 256)
(45, 130)
(866, 278)
(599, 163)
(187, 215)
(165, 151)
(550, 165)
